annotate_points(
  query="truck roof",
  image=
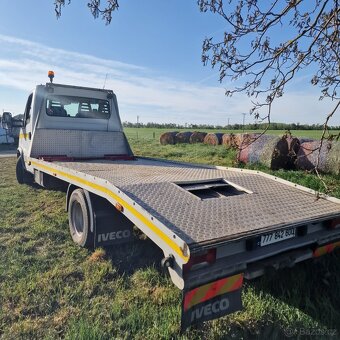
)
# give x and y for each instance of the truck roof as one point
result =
(77, 87)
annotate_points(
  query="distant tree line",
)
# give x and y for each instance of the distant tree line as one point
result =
(254, 126)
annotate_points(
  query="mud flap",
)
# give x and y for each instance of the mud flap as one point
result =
(211, 300)
(110, 226)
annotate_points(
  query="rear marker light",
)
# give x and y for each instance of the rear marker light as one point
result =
(209, 257)
(335, 223)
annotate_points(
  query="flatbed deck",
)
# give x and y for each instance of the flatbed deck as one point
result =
(268, 203)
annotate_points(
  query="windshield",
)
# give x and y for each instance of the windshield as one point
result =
(77, 107)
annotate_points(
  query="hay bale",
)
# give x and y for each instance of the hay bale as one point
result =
(270, 151)
(213, 138)
(228, 140)
(243, 139)
(248, 138)
(197, 137)
(183, 137)
(238, 138)
(168, 138)
(329, 160)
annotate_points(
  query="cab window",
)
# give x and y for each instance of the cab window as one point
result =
(27, 114)
(77, 107)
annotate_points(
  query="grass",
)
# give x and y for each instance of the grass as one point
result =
(150, 133)
(50, 288)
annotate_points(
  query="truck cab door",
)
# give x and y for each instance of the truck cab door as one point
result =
(26, 130)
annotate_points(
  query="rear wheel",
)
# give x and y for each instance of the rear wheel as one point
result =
(79, 219)
(23, 176)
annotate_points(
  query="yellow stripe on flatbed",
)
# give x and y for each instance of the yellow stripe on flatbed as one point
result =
(126, 205)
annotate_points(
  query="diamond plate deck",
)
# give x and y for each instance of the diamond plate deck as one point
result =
(151, 183)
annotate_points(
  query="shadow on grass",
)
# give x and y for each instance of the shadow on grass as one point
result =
(138, 254)
(312, 287)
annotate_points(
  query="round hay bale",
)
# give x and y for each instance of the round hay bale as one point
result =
(327, 159)
(228, 140)
(270, 151)
(183, 137)
(333, 159)
(244, 138)
(238, 138)
(213, 138)
(168, 138)
(197, 137)
(248, 138)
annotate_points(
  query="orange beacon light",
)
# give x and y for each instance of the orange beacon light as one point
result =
(51, 76)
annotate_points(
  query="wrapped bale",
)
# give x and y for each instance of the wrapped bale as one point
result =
(270, 151)
(327, 159)
(168, 138)
(183, 137)
(197, 137)
(213, 138)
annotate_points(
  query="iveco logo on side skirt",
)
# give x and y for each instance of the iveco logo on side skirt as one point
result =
(209, 309)
(114, 235)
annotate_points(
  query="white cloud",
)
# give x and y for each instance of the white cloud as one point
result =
(23, 64)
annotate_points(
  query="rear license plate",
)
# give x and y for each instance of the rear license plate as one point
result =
(277, 236)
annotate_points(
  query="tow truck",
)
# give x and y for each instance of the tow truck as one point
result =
(215, 225)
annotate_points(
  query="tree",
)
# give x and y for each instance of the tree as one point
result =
(258, 60)
(262, 62)
(104, 12)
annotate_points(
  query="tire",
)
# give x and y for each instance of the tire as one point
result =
(23, 176)
(79, 219)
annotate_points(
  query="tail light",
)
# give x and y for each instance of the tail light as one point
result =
(201, 259)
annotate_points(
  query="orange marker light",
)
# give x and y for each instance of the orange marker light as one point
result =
(119, 207)
(51, 76)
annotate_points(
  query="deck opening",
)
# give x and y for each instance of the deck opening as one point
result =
(212, 189)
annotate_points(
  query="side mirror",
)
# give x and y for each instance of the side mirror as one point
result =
(18, 121)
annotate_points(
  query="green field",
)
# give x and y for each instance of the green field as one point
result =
(50, 288)
(150, 133)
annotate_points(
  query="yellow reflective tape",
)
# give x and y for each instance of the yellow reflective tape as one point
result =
(200, 293)
(230, 284)
(23, 135)
(212, 289)
(126, 205)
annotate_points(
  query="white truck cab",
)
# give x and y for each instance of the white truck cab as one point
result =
(73, 122)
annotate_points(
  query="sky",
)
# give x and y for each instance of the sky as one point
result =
(150, 56)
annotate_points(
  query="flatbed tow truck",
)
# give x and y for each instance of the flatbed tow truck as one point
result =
(215, 225)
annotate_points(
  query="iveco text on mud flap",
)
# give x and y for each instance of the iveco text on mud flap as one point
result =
(212, 300)
(216, 226)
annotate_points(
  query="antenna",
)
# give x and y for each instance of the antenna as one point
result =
(105, 81)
